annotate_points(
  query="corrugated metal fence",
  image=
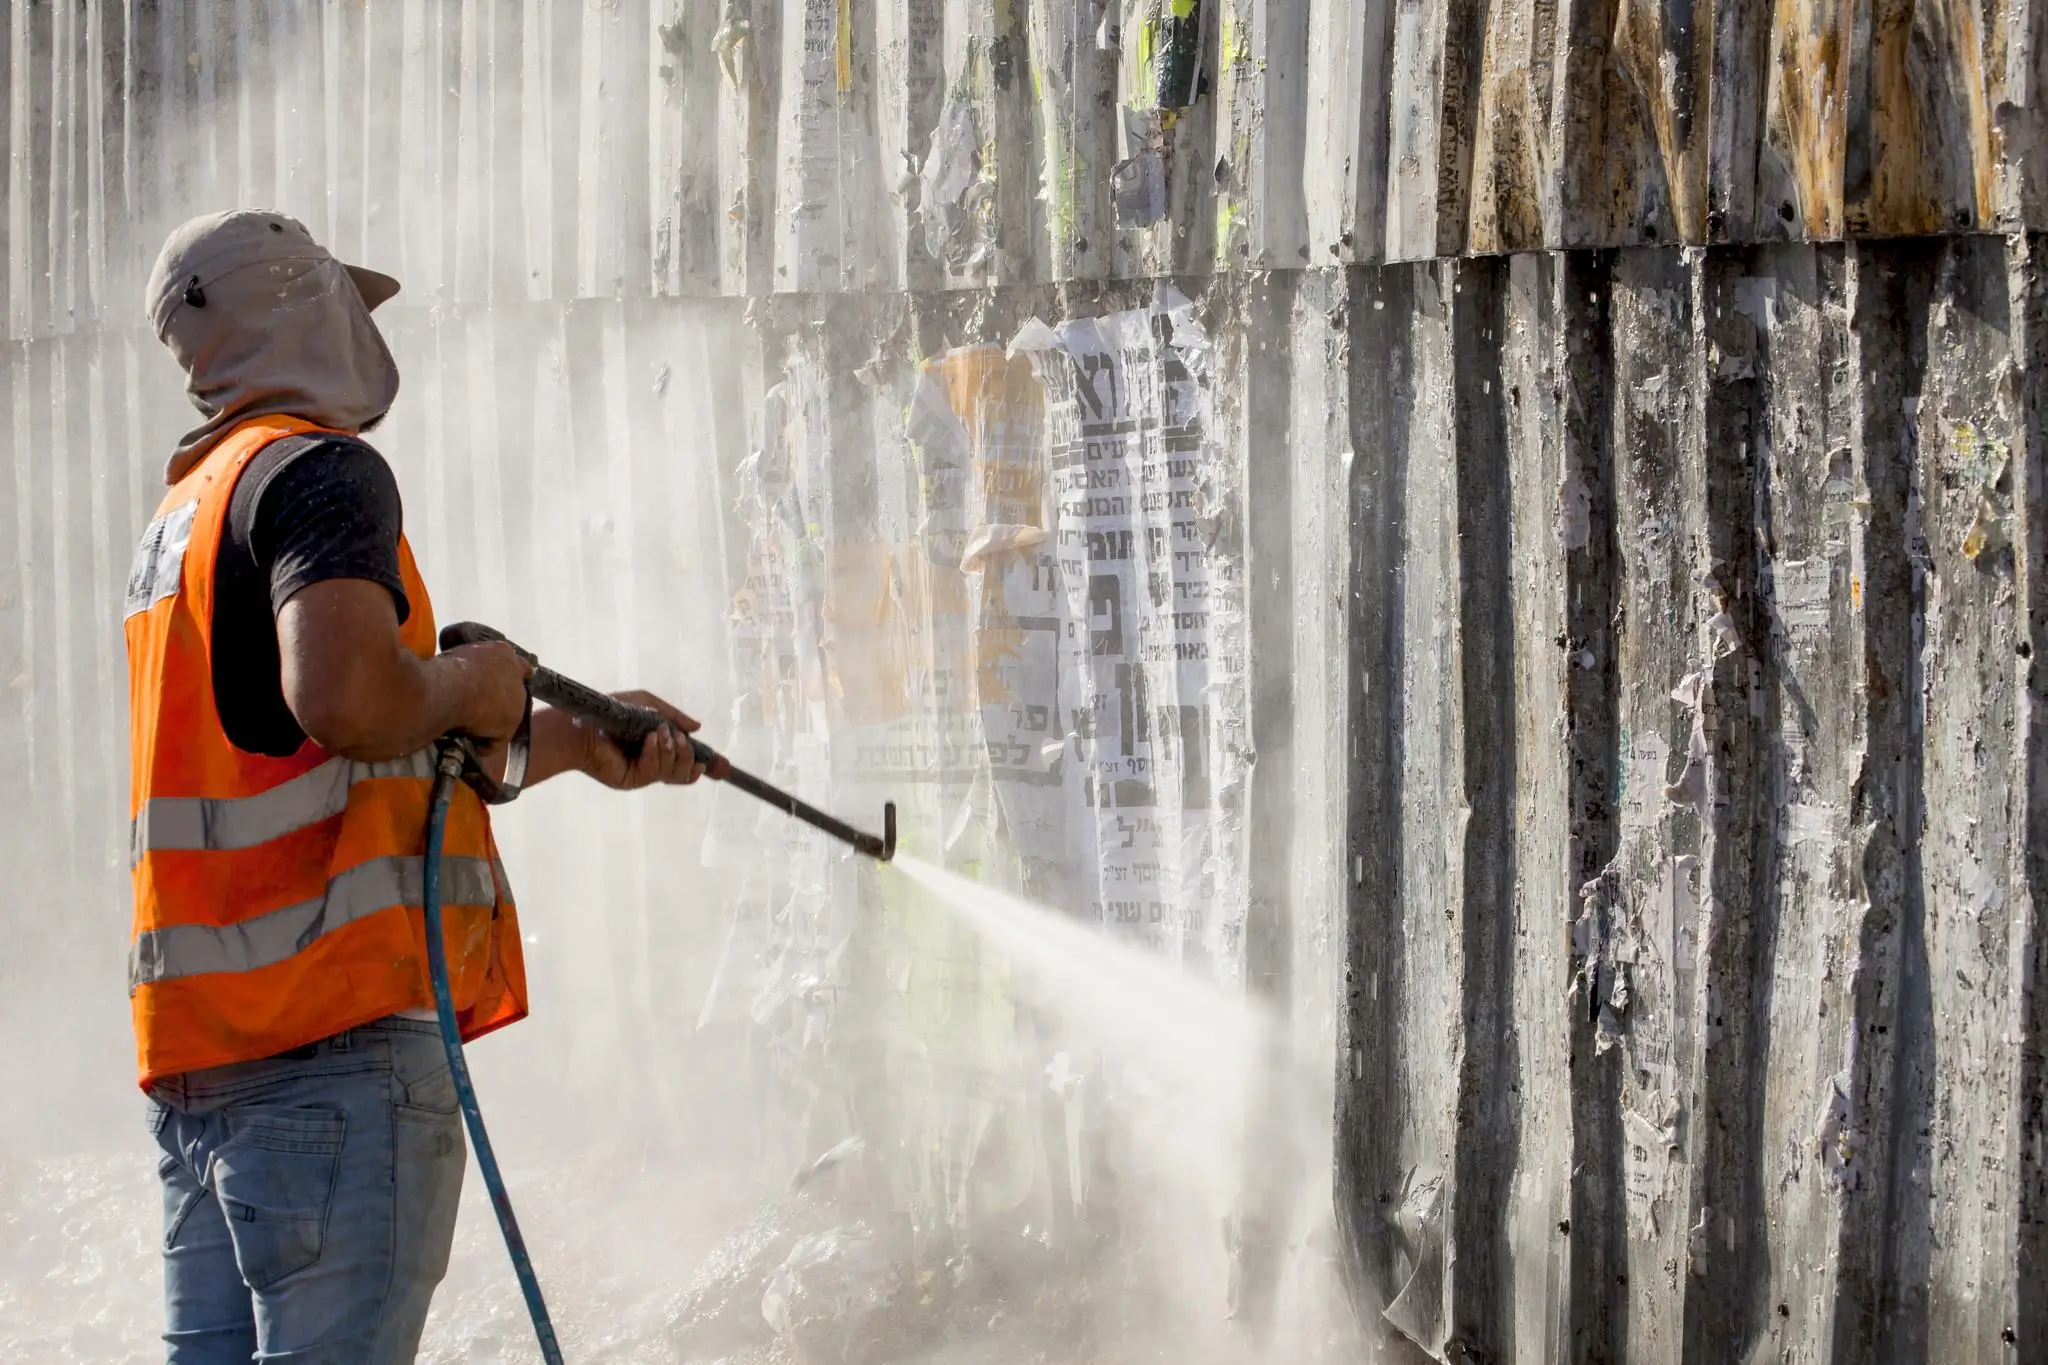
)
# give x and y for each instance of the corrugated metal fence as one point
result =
(1623, 753)
(575, 150)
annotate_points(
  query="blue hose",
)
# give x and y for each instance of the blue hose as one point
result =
(447, 771)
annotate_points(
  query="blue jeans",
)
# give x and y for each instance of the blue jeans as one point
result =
(309, 1199)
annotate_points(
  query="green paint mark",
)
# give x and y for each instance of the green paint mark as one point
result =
(1230, 218)
(1237, 45)
(1148, 59)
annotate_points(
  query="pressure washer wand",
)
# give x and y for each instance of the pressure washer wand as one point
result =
(628, 726)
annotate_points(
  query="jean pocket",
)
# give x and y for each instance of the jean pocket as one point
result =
(274, 1177)
(433, 1094)
(425, 1084)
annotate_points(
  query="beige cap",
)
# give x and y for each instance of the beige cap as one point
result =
(204, 249)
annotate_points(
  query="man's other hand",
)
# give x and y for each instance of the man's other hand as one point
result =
(665, 756)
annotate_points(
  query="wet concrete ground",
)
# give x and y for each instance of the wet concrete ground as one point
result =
(644, 1264)
(80, 1279)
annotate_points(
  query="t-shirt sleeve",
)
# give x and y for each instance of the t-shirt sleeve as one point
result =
(331, 511)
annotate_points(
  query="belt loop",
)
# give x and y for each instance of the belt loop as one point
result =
(341, 1040)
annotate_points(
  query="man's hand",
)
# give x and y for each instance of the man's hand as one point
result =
(561, 744)
(665, 756)
(493, 675)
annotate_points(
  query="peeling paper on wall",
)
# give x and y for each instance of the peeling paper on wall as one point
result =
(1836, 1140)
(1649, 1156)
(1986, 462)
(771, 619)
(1690, 789)
(978, 425)
(1725, 635)
(1063, 589)
(1574, 507)
(1139, 179)
(1599, 984)
(1150, 606)
(1678, 903)
(1417, 1308)
(957, 192)
(1803, 590)
(1644, 764)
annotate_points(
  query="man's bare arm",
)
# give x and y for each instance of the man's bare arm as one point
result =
(359, 692)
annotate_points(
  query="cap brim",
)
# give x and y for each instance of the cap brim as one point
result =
(374, 288)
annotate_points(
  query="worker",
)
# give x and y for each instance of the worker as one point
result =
(285, 698)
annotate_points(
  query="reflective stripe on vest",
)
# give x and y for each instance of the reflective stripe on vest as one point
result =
(194, 949)
(200, 822)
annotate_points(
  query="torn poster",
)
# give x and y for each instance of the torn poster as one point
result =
(976, 423)
(1151, 624)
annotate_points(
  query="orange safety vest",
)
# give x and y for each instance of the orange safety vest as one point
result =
(277, 900)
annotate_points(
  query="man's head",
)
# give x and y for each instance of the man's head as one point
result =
(265, 321)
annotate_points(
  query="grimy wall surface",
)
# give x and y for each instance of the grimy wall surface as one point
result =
(1614, 443)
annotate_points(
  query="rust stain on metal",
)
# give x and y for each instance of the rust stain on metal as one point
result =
(842, 48)
(1973, 75)
(1508, 172)
(1810, 83)
(1513, 160)
(1882, 120)
(1906, 190)
(1656, 62)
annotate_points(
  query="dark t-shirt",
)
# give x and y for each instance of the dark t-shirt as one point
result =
(307, 509)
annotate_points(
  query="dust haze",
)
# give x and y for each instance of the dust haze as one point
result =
(711, 1122)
